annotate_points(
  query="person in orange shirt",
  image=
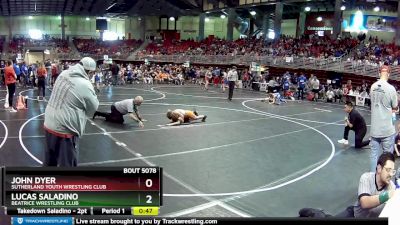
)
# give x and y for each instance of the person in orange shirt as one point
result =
(41, 80)
(10, 79)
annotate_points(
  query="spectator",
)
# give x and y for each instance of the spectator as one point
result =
(302, 80)
(315, 87)
(10, 80)
(72, 100)
(41, 81)
(383, 104)
(330, 95)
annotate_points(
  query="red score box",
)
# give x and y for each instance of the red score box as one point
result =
(149, 183)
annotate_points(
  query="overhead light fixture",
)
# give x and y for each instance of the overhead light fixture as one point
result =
(139, 18)
(109, 7)
(59, 17)
(307, 9)
(223, 16)
(253, 13)
(30, 17)
(343, 8)
(207, 12)
(319, 18)
(207, 19)
(108, 19)
(376, 9)
(271, 34)
(87, 18)
(172, 18)
(384, 20)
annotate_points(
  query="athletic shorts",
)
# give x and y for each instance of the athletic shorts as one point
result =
(189, 115)
(315, 91)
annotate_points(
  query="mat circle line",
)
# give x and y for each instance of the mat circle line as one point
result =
(5, 135)
(258, 189)
(253, 111)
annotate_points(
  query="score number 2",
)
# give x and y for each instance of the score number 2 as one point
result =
(149, 184)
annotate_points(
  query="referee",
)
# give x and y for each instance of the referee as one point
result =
(121, 108)
(232, 78)
(355, 122)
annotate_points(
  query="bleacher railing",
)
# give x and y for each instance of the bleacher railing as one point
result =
(338, 64)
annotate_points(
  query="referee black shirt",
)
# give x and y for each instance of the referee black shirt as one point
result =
(357, 120)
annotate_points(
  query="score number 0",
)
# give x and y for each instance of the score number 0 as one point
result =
(149, 183)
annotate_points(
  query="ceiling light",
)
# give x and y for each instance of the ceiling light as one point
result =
(376, 9)
(207, 19)
(108, 19)
(30, 17)
(87, 18)
(172, 18)
(343, 8)
(253, 13)
(223, 16)
(384, 20)
(307, 9)
(111, 6)
(319, 18)
(59, 17)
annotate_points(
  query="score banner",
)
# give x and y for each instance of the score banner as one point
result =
(82, 187)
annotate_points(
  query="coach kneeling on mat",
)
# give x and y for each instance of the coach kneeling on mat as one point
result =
(72, 100)
(354, 122)
(119, 109)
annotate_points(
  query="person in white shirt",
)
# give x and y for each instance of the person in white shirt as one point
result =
(125, 107)
(330, 95)
(315, 87)
(232, 78)
(224, 80)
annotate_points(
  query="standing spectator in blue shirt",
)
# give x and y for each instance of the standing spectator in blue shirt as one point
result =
(302, 84)
(25, 74)
(17, 70)
(286, 86)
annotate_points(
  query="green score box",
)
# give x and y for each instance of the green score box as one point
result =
(80, 199)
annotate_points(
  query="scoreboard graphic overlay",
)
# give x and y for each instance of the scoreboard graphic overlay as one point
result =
(82, 191)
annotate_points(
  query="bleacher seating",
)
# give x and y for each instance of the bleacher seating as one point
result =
(115, 49)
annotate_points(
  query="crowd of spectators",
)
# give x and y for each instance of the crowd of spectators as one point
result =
(374, 51)
(306, 46)
(114, 49)
(19, 43)
(288, 84)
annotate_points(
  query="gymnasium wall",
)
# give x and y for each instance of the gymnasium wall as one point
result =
(33, 57)
(188, 26)
(75, 26)
(288, 27)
